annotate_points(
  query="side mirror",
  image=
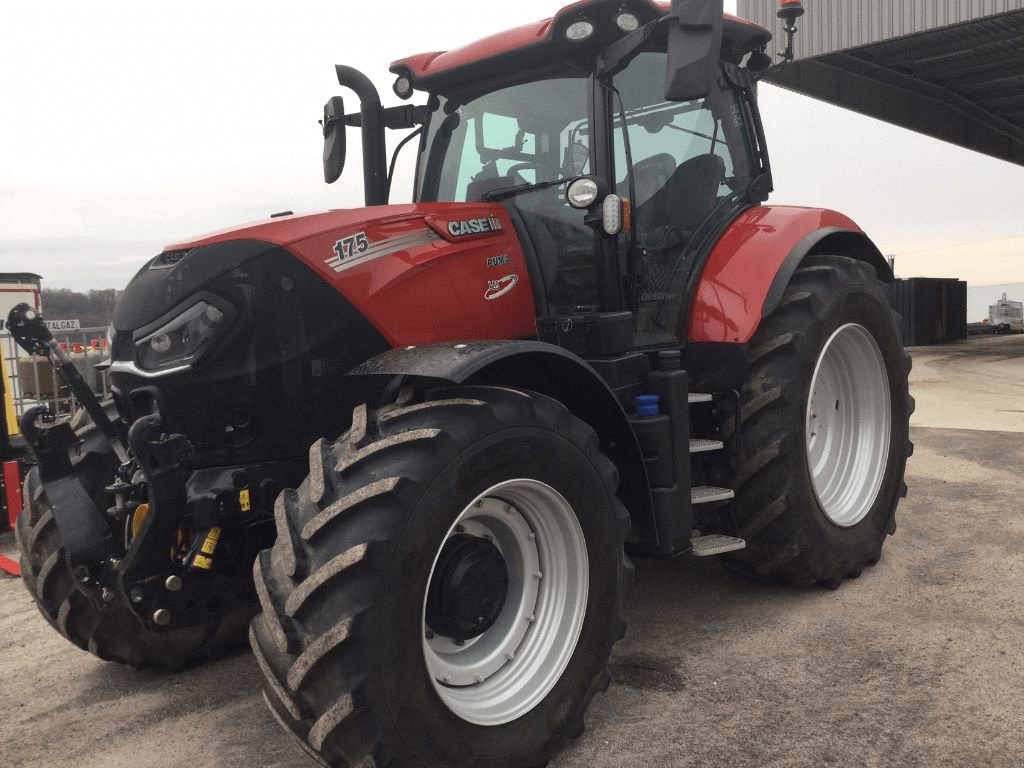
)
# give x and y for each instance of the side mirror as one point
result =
(334, 139)
(694, 48)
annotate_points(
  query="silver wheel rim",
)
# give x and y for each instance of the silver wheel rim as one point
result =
(847, 425)
(505, 672)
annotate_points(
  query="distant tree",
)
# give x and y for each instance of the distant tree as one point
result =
(94, 309)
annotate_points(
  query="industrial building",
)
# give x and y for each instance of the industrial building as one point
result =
(950, 69)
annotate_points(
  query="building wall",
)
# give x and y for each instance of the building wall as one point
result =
(834, 25)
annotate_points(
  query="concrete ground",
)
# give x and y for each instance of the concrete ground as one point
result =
(920, 662)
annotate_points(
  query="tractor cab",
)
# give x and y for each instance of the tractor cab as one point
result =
(618, 152)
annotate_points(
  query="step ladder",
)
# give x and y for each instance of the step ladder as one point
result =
(713, 544)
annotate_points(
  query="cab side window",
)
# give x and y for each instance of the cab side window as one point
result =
(681, 158)
(691, 165)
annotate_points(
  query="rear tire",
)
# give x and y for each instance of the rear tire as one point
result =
(355, 654)
(110, 631)
(817, 483)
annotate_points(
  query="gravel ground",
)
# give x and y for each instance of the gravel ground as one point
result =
(918, 663)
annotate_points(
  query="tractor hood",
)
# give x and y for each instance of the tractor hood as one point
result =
(187, 267)
(286, 229)
(367, 255)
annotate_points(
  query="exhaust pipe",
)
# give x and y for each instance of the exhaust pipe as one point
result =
(371, 121)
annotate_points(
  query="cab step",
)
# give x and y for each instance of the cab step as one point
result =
(703, 446)
(708, 494)
(699, 397)
(715, 544)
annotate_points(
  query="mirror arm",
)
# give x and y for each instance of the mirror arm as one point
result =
(395, 118)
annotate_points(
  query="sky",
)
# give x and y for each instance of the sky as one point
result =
(125, 126)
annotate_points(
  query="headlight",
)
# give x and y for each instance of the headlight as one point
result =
(579, 31)
(182, 340)
(627, 22)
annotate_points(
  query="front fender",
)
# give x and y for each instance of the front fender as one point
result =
(750, 267)
(538, 367)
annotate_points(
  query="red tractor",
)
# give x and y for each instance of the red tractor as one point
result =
(586, 337)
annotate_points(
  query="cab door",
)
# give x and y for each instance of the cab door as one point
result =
(686, 168)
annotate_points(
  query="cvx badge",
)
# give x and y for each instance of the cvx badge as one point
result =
(498, 288)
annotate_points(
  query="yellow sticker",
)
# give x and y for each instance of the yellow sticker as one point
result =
(210, 545)
(243, 500)
(202, 562)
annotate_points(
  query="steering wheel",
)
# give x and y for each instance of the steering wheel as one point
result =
(514, 171)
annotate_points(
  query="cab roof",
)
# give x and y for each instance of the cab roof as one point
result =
(544, 42)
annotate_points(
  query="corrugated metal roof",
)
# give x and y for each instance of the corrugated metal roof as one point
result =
(952, 69)
(834, 25)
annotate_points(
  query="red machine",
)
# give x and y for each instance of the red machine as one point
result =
(587, 337)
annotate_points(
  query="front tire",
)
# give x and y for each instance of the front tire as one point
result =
(406, 618)
(824, 428)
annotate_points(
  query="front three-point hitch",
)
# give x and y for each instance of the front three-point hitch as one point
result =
(175, 542)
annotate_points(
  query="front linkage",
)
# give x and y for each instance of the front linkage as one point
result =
(175, 543)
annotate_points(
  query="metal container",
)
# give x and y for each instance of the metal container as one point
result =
(933, 309)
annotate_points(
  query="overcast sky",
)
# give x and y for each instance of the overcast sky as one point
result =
(129, 125)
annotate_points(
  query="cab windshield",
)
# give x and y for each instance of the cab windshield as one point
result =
(524, 134)
(500, 144)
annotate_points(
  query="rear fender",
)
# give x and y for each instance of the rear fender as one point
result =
(751, 266)
(533, 366)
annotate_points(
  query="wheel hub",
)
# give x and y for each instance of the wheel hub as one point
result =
(505, 602)
(847, 425)
(469, 588)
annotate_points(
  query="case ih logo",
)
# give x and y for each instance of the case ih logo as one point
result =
(474, 226)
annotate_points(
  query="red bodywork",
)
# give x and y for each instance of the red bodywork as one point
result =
(743, 264)
(12, 490)
(12, 499)
(427, 65)
(418, 283)
(415, 281)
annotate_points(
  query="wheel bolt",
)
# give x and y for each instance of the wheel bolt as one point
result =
(107, 595)
(173, 583)
(162, 617)
(136, 595)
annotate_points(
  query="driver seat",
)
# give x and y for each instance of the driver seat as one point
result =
(686, 199)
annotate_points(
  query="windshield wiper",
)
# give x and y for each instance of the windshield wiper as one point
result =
(503, 192)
